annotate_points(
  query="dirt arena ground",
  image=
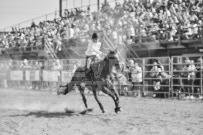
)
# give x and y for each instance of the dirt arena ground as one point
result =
(24, 112)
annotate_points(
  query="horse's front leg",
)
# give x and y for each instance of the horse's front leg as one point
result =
(96, 98)
(114, 97)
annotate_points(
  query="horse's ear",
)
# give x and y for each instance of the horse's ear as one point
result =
(116, 51)
(111, 52)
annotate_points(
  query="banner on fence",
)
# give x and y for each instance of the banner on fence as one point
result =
(66, 76)
(16, 75)
(32, 75)
(51, 76)
(3, 74)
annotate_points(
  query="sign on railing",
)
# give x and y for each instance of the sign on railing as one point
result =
(51, 76)
(32, 75)
(16, 75)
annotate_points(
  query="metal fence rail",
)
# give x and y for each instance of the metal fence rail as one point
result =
(50, 74)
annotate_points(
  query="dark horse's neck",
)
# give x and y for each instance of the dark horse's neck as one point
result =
(103, 68)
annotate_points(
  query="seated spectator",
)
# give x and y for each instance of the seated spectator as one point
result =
(156, 74)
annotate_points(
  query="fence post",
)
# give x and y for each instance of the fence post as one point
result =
(179, 35)
(143, 76)
(139, 31)
(201, 74)
(202, 35)
(171, 74)
(98, 5)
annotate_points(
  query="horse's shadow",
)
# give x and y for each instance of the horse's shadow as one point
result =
(44, 114)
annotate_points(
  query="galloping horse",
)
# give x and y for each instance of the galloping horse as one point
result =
(99, 76)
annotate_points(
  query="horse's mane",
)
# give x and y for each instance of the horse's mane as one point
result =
(105, 58)
(105, 65)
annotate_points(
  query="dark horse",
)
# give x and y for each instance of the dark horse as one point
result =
(100, 76)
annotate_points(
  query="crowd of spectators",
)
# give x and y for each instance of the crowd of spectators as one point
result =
(124, 24)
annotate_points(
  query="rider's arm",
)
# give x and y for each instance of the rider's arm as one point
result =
(88, 47)
(97, 49)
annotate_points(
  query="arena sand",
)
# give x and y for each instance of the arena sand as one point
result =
(24, 112)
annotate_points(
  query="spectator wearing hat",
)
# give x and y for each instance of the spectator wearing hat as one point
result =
(185, 75)
(156, 74)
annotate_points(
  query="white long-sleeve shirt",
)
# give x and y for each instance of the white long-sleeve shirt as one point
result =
(93, 48)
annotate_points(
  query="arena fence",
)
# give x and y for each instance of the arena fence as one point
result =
(50, 74)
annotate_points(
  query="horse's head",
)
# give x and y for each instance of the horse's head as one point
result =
(113, 60)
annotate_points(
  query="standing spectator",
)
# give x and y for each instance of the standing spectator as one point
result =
(57, 67)
(199, 74)
(36, 67)
(137, 74)
(185, 75)
(191, 77)
(25, 67)
(156, 74)
(137, 77)
(130, 69)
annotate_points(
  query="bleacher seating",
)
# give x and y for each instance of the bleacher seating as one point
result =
(131, 22)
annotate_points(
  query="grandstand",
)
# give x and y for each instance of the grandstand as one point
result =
(158, 30)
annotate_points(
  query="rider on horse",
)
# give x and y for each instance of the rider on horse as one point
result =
(100, 75)
(93, 52)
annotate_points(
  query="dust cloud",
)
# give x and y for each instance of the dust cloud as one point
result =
(23, 100)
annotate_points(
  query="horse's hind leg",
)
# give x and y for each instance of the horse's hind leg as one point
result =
(82, 92)
(116, 94)
(96, 98)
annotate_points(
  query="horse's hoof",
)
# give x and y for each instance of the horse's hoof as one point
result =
(118, 109)
(89, 110)
(103, 111)
(83, 112)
